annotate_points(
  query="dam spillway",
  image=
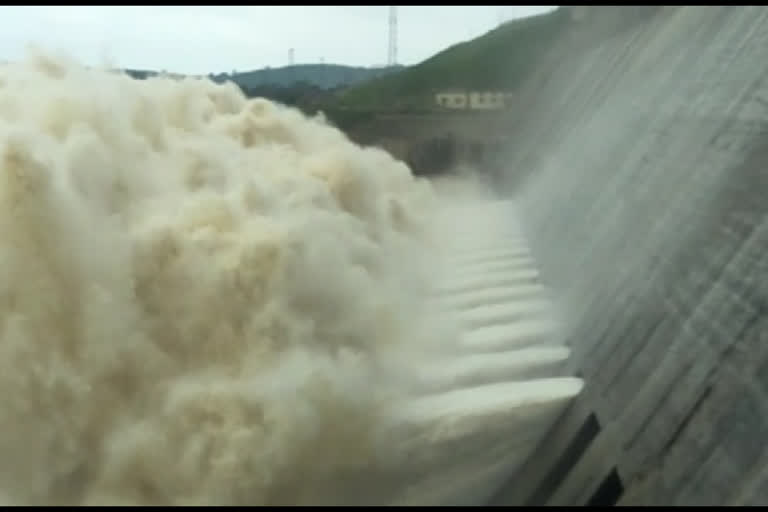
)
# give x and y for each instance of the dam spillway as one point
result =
(638, 164)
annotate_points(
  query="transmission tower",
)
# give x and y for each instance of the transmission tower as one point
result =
(392, 55)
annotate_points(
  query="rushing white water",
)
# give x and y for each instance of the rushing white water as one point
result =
(218, 301)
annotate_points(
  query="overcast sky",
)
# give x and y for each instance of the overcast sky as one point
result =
(202, 39)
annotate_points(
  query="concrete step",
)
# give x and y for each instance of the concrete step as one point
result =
(487, 399)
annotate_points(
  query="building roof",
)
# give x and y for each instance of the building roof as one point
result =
(451, 91)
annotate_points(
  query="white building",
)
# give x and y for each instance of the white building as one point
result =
(452, 99)
(473, 100)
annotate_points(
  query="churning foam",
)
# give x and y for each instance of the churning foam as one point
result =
(205, 299)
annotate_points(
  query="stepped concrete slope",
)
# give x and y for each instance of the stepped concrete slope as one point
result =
(640, 169)
(490, 398)
(495, 384)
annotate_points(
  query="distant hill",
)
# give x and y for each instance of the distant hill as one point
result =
(323, 76)
(140, 74)
(500, 59)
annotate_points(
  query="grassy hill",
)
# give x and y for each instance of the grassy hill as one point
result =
(500, 59)
(323, 76)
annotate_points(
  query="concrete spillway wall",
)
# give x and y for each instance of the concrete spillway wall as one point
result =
(640, 163)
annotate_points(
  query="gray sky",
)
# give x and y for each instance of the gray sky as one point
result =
(202, 39)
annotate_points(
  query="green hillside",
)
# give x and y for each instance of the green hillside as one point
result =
(500, 59)
(323, 76)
